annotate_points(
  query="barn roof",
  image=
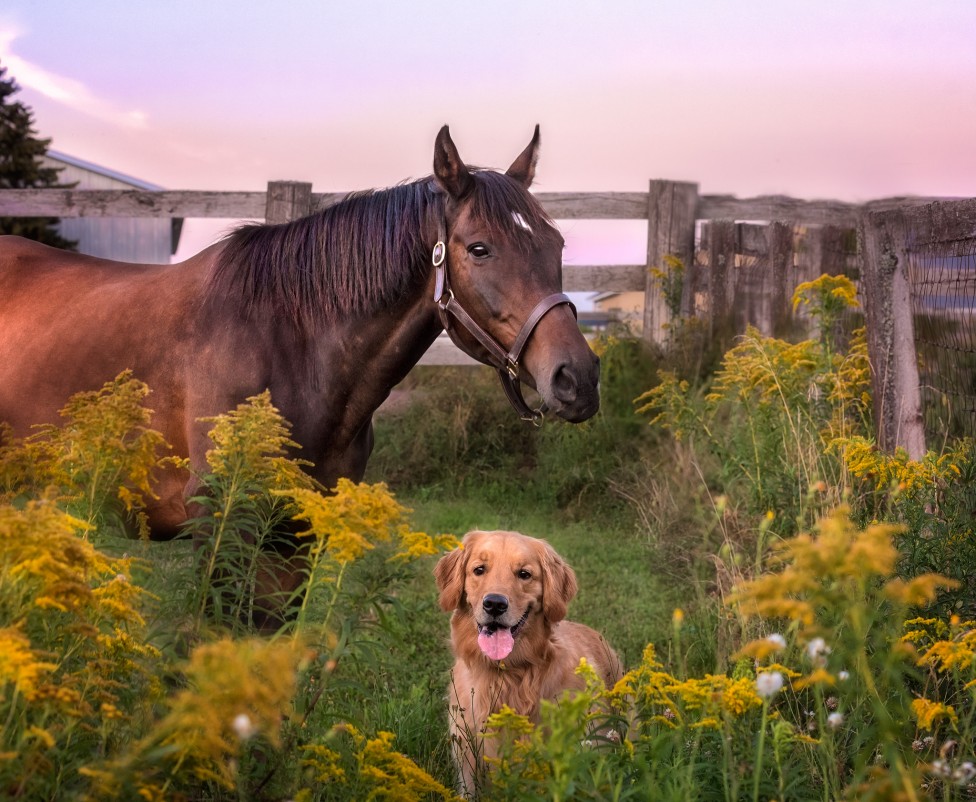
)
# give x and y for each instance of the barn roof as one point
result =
(136, 183)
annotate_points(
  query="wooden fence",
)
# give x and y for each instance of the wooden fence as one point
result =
(787, 240)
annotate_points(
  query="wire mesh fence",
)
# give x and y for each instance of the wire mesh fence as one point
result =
(942, 276)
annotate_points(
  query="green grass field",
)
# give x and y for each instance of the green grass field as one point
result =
(808, 598)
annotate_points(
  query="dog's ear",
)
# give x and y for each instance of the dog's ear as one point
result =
(449, 573)
(558, 585)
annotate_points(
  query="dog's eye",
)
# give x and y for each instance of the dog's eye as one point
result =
(478, 570)
(523, 574)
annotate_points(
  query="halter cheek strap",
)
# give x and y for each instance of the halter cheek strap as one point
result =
(507, 363)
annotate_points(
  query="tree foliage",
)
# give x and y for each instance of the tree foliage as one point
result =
(21, 166)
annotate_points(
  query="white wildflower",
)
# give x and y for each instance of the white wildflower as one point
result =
(777, 640)
(817, 650)
(769, 683)
(965, 773)
(243, 726)
(834, 720)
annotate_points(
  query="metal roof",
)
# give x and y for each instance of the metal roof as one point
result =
(95, 168)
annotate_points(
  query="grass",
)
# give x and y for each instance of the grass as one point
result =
(620, 594)
(779, 645)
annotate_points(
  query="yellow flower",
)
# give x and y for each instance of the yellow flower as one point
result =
(42, 735)
(956, 654)
(761, 648)
(928, 713)
(19, 664)
(350, 522)
(819, 676)
(226, 679)
(394, 776)
(507, 719)
(920, 591)
(325, 763)
(827, 293)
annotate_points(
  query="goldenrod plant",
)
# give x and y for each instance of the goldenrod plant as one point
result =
(850, 673)
(774, 407)
(96, 706)
(841, 695)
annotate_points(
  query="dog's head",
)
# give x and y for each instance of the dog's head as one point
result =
(508, 584)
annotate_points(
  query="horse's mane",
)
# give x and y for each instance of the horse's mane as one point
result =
(359, 256)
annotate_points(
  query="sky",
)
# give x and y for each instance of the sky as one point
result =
(845, 99)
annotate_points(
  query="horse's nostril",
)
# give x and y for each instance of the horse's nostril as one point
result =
(564, 386)
(495, 604)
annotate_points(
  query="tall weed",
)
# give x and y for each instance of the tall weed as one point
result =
(94, 707)
(842, 695)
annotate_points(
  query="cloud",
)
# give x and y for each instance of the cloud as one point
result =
(66, 91)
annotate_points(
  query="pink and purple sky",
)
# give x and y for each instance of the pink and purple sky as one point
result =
(847, 99)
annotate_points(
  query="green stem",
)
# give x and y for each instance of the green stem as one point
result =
(759, 752)
(217, 537)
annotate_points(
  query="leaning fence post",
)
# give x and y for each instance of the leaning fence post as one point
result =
(287, 200)
(670, 231)
(891, 333)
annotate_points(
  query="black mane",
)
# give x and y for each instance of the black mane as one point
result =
(363, 254)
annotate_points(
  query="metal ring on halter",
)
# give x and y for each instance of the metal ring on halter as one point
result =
(439, 254)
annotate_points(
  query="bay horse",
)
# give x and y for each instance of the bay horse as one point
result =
(328, 312)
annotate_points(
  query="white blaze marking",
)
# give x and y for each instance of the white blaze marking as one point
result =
(521, 221)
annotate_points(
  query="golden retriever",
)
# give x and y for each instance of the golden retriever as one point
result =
(509, 595)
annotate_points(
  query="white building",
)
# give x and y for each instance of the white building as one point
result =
(151, 240)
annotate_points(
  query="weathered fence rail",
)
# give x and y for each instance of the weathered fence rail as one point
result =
(743, 257)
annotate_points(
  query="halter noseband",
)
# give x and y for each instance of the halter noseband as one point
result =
(507, 363)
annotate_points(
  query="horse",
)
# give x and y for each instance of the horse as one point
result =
(328, 313)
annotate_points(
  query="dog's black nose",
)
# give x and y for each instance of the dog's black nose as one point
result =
(495, 604)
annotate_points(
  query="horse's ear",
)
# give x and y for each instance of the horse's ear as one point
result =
(449, 171)
(523, 168)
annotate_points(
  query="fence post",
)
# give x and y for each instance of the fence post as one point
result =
(287, 200)
(670, 231)
(779, 280)
(720, 236)
(891, 333)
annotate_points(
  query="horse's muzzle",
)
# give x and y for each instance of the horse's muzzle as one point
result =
(575, 390)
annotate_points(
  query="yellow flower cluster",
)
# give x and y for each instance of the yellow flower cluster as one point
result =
(897, 471)
(355, 518)
(838, 553)
(826, 294)
(20, 665)
(712, 697)
(390, 775)
(253, 440)
(954, 651)
(236, 690)
(104, 451)
(324, 762)
(929, 713)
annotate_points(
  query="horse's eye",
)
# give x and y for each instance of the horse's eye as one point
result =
(478, 570)
(479, 250)
(523, 574)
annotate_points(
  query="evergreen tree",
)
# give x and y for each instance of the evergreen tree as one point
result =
(21, 167)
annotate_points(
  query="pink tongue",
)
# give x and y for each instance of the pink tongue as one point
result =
(498, 644)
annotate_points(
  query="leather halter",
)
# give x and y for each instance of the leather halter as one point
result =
(507, 363)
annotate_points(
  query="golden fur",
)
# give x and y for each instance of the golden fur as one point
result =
(523, 578)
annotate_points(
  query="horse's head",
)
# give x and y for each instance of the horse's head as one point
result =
(503, 274)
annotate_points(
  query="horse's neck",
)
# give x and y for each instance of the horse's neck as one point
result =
(364, 359)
